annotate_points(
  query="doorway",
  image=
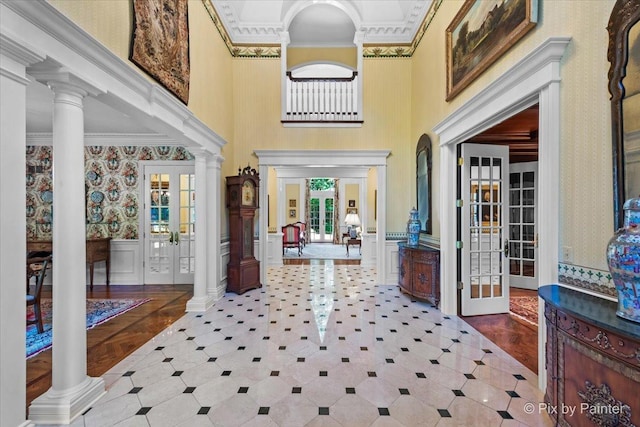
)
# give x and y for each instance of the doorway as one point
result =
(321, 216)
(169, 220)
(499, 217)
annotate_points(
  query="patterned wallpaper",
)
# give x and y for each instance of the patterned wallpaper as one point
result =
(111, 185)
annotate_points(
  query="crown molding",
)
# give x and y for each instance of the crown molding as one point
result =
(377, 37)
(107, 139)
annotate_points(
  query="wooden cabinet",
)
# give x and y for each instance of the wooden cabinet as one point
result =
(420, 272)
(592, 360)
(243, 269)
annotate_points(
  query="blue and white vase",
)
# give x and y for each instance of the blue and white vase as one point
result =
(623, 256)
(413, 228)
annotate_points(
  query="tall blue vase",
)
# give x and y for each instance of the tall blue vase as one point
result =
(413, 228)
(623, 256)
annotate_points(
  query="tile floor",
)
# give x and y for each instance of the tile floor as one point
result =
(319, 345)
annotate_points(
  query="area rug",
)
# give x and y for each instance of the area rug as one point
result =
(323, 251)
(525, 308)
(98, 312)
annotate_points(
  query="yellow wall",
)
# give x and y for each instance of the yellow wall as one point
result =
(299, 56)
(352, 192)
(403, 98)
(210, 91)
(585, 192)
(256, 113)
(210, 95)
(292, 192)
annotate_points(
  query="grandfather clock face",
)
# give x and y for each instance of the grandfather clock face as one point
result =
(248, 194)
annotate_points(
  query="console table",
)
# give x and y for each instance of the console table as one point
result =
(592, 358)
(356, 242)
(420, 272)
(97, 250)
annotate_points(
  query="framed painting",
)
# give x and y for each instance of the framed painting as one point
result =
(480, 33)
(160, 43)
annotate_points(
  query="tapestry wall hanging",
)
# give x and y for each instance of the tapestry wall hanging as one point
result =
(160, 43)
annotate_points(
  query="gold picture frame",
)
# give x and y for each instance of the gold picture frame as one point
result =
(292, 203)
(480, 33)
(160, 43)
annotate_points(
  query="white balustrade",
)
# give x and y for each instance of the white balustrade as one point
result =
(322, 99)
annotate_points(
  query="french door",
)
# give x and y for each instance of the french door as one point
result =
(321, 208)
(485, 273)
(523, 225)
(169, 235)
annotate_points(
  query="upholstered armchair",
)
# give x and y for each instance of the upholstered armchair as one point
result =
(291, 238)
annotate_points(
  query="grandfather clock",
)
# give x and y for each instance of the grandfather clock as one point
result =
(243, 270)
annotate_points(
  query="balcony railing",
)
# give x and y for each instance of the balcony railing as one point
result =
(322, 99)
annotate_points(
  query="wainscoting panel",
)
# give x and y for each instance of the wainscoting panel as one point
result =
(274, 249)
(391, 258)
(126, 265)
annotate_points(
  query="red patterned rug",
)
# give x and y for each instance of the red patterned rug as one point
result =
(525, 308)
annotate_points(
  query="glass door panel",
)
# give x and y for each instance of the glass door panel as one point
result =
(523, 232)
(169, 224)
(485, 282)
(321, 209)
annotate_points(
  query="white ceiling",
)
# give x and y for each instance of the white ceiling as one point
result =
(321, 22)
(309, 23)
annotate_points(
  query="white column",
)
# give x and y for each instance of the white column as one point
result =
(215, 289)
(200, 300)
(381, 230)
(13, 373)
(72, 391)
(284, 42)
(358, 40)
(264, 222)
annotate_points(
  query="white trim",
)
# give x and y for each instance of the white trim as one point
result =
(536, 77)
(37, 23)
(109, 139)
(314, 159)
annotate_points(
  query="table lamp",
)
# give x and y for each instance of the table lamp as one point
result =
(352, 220)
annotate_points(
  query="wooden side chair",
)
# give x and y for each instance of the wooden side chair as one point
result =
(36, 267)
(291, 238)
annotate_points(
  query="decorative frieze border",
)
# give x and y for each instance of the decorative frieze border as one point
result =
(587, 278)
(368, 50)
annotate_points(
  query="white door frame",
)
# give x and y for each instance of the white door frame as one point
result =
(535, 78)
(143, 166)
(312, 162)
(322, 195)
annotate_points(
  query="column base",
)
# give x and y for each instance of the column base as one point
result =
(56, 407)
(200, 304)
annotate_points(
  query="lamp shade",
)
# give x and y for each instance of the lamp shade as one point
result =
(352, 219)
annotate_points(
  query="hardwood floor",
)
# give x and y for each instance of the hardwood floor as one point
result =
(109, 343)
(515, 336)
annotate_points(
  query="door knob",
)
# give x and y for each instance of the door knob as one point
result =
(506, 248)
